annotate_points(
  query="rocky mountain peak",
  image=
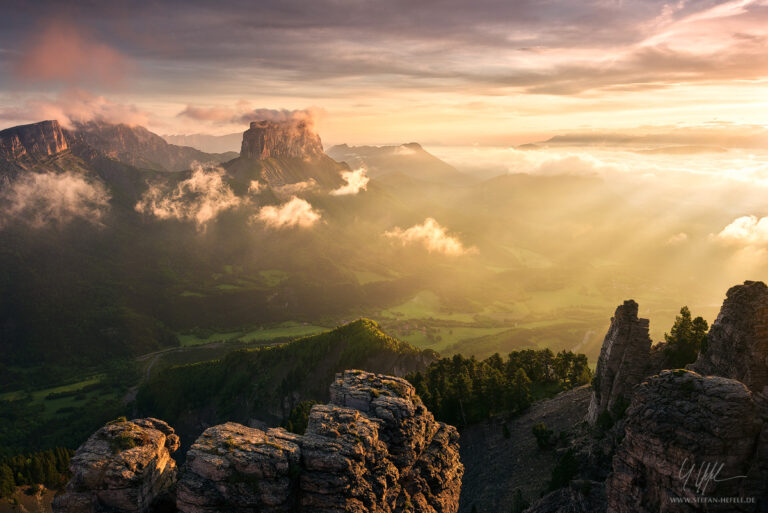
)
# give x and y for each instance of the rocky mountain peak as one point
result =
(737, 342)
(37, 140)
(290, 139)
(623, 361)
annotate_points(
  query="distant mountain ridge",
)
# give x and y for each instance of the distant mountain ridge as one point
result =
(23, 146)
(137, 146)
(33, 141)
(409, 159)
(208, 143)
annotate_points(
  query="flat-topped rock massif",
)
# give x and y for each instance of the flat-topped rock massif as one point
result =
(374, 448)
(268, 139)
(286, 152)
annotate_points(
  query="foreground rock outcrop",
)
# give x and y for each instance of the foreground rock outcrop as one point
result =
(125, 466)
(374, 448)
(687, 442)
(737, 342)
(624, 360)
(681, 421)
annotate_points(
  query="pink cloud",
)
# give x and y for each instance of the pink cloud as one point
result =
(241, 113)
(63, 52)
(75, 106)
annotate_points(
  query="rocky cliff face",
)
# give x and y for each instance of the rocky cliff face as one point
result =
(285, 153)
(678, 422)
(267, 139)
(374, 448)
(34, 141)
(624, 360)
(124, 466)
(737, 342)
(137, 146)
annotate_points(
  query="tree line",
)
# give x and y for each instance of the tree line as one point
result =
(462, 391)
(50, 468)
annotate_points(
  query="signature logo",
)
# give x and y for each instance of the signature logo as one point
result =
(708, 472)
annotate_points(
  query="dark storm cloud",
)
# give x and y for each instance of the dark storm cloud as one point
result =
(489, 44)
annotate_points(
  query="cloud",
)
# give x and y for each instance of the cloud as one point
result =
(66, 53)
(356, 181)
(242, 113)
(747, 230)
(677, 239)
(255, 187)
(40, 199)
(75, 106)
(291, 189)
(294, 213)
(432, 236)
(200, 198)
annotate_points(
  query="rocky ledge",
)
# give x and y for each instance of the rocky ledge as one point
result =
(125, 466)
(737, 342)
(374, 448)
(681, 422)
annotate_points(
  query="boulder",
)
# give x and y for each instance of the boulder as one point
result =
(680, 422)
(123, 467)
(374, 448)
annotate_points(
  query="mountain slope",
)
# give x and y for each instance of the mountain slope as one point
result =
(266, 383)
(208, 143)
(137, 146)
(409, 159)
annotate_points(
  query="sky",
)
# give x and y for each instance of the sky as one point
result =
(485, 72)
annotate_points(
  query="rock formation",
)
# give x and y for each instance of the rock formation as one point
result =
(623, 362)
(268, 139)
(374, 448)
(34, 141)
(580, 496)
(285, 153)
(137, 146)
(125, 466)
(680, 421)
(737, 342)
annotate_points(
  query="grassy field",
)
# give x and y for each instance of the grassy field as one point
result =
(273, 277)
(364, 277)
(425, 305)
(287, 329)
(440, 338)
(49, 407)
